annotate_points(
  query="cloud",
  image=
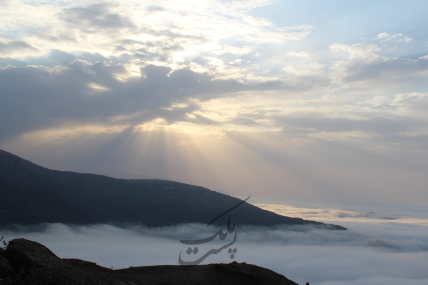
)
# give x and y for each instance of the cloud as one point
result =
(10, 47)
(414, 100)
(365, 64)
(394, 37)
(175, 32)
(299, 54)
(372, 250)
(96, 16)
(44, 35)
(216, 74)
(383, 68)
(155, 8)
(365, 51)
(310, 69)
(4, 3)
(353, 217)
(82, 92)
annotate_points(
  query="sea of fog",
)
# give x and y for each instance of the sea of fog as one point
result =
(385, 243)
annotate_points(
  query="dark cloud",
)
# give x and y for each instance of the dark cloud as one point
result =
(12, 46)
(97, 16)
(57, 57)
(53, 58)
(94, 57)
(69, 94)
(10, 61)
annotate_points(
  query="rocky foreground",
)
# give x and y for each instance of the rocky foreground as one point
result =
(28, 262)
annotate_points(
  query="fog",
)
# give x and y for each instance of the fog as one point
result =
(378, 248)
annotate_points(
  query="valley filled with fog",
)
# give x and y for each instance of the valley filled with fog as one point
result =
(379, 247)
(316, 100)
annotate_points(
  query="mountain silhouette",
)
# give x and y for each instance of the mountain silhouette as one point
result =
(31, 194)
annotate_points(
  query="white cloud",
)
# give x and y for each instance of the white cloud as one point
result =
(117, 28)
(305, 69)
(394, 37)
(411, 99)
(365, 63)
(366, 51)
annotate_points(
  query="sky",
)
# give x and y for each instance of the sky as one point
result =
(380, 247)
(298, 99)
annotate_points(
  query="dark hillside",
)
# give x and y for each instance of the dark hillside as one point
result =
(33, 204)
(36, 194)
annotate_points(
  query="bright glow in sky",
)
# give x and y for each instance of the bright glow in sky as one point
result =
(312, 99)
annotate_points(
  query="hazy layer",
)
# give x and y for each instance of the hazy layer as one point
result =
(374, 250)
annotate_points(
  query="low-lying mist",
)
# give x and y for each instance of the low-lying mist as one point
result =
(374, 250)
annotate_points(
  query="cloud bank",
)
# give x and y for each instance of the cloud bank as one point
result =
(370, 252)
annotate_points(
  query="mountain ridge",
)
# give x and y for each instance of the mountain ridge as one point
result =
(83, 198)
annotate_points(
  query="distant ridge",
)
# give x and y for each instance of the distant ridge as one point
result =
(31, 194)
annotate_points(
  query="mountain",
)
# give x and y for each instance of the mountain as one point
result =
(28, 262)
(31, 194)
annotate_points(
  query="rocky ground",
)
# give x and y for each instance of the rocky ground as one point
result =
(28, 262)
